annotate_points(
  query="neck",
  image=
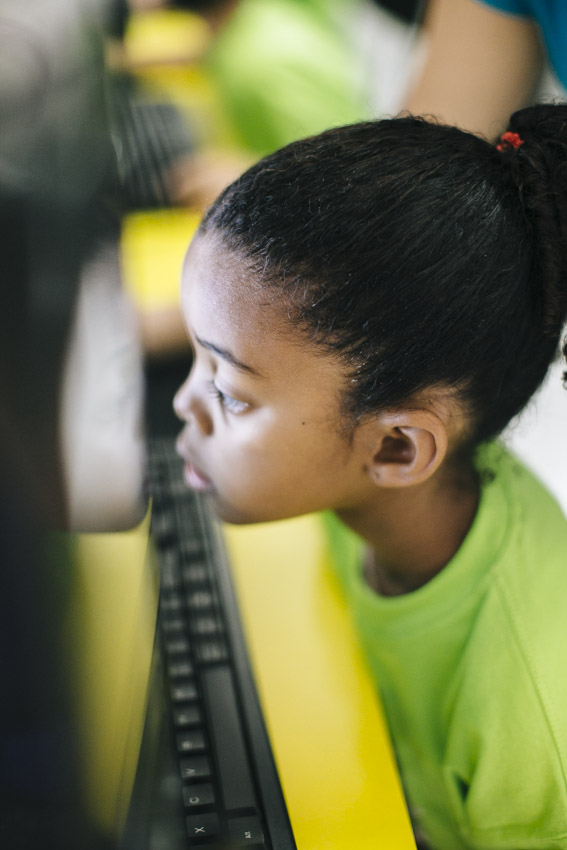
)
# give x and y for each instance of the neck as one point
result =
(414, 532)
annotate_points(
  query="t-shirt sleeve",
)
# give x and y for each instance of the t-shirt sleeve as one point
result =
(504, 762)
(512, 7)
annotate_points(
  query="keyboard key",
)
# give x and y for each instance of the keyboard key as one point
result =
(198, 794)
(202, 826)
(163, 524)
(199, 599)
(171, 603)
(228, 739)
(173, 624)
(184, 691)
(209, 625)
(195, 767)
(169, 546)
(191, 742)
(246, 832)
(211, 651)
(187, 715)
(195, 573)
(170, 578)
(180, 669)
(177, 645)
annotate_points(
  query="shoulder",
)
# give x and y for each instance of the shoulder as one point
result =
(528, 583)
(506, 754)
(534, 564)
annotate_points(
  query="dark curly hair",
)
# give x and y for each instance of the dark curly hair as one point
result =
(422, 255)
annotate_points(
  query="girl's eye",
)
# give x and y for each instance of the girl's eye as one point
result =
(232, 405)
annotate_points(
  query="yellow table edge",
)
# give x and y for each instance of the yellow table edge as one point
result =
(325, 723)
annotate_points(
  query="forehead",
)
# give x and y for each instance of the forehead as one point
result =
(224, 302)
(219, 287)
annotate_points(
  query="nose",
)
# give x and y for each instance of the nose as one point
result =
(190, 407)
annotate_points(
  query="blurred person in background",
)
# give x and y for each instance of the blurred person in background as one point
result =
(281, 70)
(286, 70)
(484, 59)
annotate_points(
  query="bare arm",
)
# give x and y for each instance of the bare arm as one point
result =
(480, 66)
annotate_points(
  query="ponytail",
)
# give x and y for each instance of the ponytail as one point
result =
(535, 149)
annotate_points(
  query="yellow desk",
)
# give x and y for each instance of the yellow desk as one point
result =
(111, 627)
(327, 731)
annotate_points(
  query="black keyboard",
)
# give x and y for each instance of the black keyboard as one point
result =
(223, 771)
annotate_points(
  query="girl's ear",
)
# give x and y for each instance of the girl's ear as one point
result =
(411, 446)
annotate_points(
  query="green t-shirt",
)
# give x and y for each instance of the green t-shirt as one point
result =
(472, 671)
(285, 69)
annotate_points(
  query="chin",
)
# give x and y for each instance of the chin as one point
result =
(239, 514)
(235, 515)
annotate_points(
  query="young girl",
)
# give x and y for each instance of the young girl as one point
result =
(369, 308)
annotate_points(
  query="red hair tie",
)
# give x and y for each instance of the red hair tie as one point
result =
(509, 140)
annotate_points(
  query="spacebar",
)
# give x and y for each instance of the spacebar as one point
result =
(228, 739)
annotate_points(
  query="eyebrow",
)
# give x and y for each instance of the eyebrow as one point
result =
(227, 355)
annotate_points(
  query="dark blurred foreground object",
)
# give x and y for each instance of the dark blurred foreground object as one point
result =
(40, 791)
(55, 158)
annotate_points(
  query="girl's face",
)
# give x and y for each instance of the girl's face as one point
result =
(260, 405)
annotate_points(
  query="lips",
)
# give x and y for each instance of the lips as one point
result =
(194, 477)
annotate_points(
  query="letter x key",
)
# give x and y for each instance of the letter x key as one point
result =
(201, 826)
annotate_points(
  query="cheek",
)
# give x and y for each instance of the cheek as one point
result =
(244, 466)
(277, 477)
(245, 454)
(273, 467)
